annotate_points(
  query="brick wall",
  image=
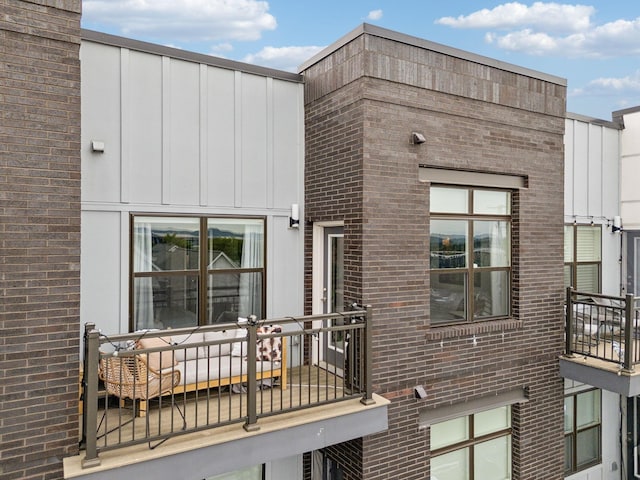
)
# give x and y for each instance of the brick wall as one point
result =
(39, 235)
(362, 103)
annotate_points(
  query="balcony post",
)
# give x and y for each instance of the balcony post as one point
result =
(252, 340)
(90, 395)
(568, 328)
(365, 358)
(628, 333)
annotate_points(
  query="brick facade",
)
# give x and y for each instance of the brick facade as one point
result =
(362, 101)
(39, 235)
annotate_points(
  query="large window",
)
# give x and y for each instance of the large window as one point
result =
(582, 444)
(473, 447)
(189, 271)
(582, 257)
(470, 243)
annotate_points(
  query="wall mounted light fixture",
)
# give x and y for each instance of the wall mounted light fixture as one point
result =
(97, 146)
(419, 392)
(617, 224)
(294, 219)
(417, 138)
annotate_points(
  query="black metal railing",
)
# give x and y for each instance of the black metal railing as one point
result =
(604, 327)
(150, 386)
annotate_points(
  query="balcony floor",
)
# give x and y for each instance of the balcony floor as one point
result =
(306, 386)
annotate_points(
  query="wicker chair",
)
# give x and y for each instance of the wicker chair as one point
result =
(130, 377)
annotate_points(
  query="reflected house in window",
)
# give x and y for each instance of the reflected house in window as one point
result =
(223, 294)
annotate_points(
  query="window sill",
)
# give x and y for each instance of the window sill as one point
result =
(466, 329)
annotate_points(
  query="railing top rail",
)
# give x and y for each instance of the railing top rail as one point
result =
(299, 321)
(597, 295)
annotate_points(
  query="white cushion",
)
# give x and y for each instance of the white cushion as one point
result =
(200, 370)
(223, 348)
(240, 348)
(183, 341)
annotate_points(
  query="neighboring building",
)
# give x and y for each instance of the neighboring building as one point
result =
(602, 171)
(592, 253)
(629, 119)
(630, 281)
(417, 152)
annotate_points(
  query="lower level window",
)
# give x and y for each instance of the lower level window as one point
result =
(582, 419)
(473, 447)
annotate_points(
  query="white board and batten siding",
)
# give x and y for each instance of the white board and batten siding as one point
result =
(630, 160)
(190, 137)
(592, 191)
(592, 186)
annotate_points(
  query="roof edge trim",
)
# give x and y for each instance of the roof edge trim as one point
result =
(436, 47)
(595, 121)
(178, 54)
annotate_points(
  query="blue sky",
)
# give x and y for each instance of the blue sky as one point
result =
(595, 45)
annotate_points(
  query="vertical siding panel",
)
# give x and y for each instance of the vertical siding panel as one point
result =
(184, 130)
(101, 253)
(569, 166)
(125, 249)
(125, 127)
(221, 143)
(269, 185)
(143, 132)
(581, 171)
(610, 171)
(204, 137)
(254, 144)
(594, 194)
(287, 178)
(237, 135)
(101, 172)
(166, 130)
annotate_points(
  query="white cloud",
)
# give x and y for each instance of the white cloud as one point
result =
(619, 38)
(183, 20)
(221, 48)
(282, 58)
(629, 85)
(374, 15)
(616, 92)
(549, 16)
(552, 29)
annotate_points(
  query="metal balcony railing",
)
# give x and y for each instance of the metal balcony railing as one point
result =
(603, 327)
(134, 393)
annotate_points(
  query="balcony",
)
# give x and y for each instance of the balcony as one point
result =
(193, 398)
(602, 339)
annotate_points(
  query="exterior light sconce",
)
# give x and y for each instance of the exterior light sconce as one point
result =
(97, 146)
(294, 219)
(417, 138)
(419, 392)
(617, 224)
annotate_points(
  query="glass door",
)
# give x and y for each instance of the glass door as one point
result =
(333, 295)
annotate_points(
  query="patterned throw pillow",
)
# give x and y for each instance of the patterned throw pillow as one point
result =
(269, 349)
